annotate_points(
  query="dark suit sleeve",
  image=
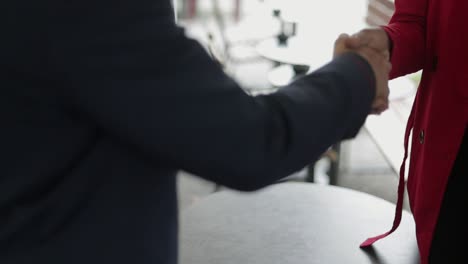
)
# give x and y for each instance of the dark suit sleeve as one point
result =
(141, 81)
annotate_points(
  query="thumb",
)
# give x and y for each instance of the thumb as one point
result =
(341, 40)
(340, 45)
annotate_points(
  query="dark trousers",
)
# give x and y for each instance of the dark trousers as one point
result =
(450, 239)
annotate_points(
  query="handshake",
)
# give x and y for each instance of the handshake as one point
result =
(373, 45)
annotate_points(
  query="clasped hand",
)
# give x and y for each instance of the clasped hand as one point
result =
(373, 45)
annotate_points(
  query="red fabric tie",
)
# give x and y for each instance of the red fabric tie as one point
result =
(401, 189)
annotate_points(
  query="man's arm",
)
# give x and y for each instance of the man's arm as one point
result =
(142, 82)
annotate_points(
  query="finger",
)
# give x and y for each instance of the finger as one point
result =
(340, 41)
(363, 38)
(379, 110)
(388, 65)
(373, 37)
(380, 105)
(378, 56)
(386, 54)
(343, 36)
(353, 42)
(379, 101)
(382, 109)
(370, 50)
(340, 46)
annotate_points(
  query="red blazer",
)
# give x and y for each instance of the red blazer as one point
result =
(432, 35)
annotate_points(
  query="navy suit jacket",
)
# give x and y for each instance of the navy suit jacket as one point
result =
(102, 102)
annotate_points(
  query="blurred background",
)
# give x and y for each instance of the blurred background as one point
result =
(264, 45)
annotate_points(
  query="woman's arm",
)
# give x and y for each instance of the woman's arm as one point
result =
(407, 32)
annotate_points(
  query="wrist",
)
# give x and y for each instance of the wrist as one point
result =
(388, 40)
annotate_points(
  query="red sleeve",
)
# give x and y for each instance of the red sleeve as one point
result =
(407, 30)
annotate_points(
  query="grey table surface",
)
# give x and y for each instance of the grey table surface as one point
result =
(292, 223)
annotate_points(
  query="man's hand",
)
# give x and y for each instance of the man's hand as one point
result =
(380, 64)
